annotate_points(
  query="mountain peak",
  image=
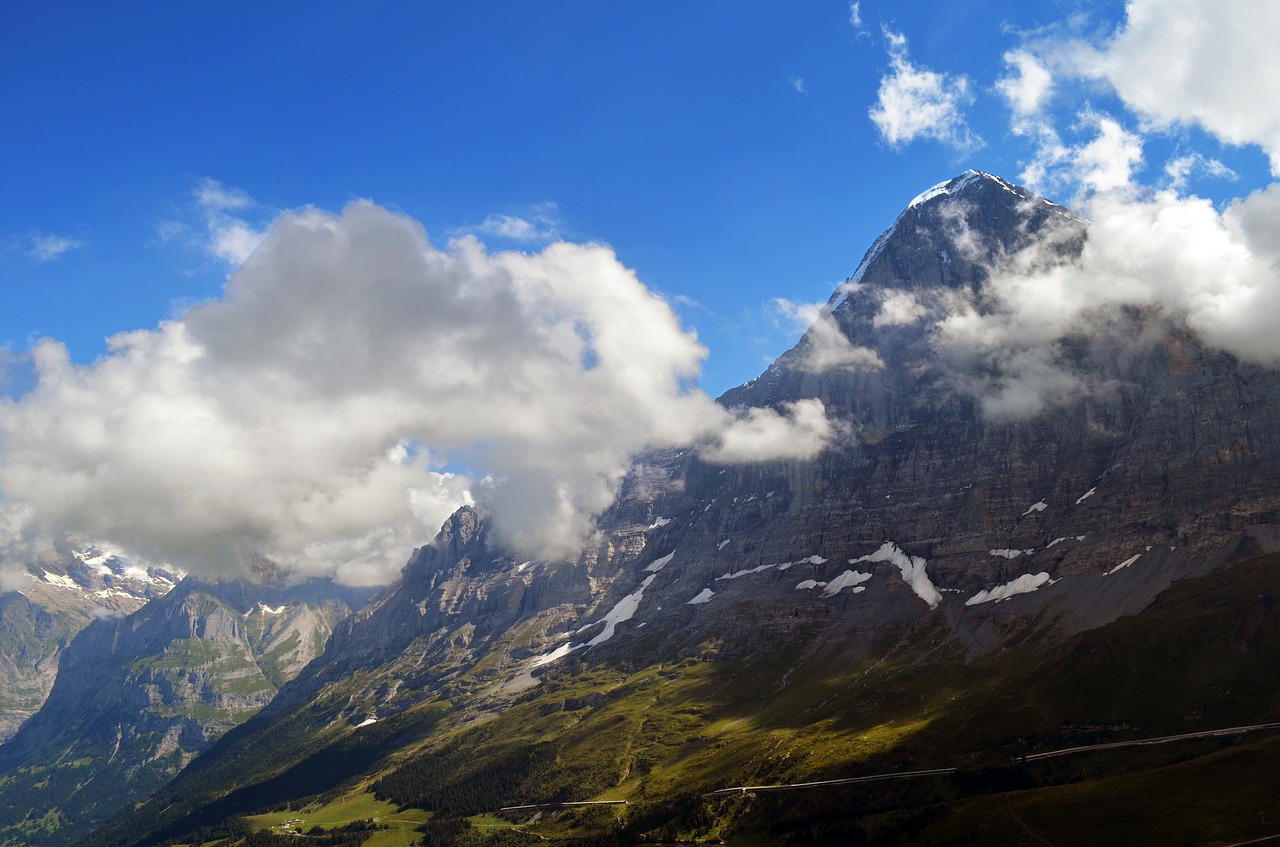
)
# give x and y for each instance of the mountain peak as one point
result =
(966, 183)
(949, 234)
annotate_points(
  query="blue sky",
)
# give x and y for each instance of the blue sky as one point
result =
(722, 148)
(738, 157)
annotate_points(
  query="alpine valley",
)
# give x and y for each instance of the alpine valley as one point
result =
(913, 620)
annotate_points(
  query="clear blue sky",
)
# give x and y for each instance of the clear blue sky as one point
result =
(723, 149)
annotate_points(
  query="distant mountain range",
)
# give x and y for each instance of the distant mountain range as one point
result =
(39, 619)
(938, 599)
(138, 696)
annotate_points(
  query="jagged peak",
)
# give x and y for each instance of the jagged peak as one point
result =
(979, 187)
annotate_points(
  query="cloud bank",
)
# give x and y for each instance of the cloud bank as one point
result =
(1173, 258)
(313, 412)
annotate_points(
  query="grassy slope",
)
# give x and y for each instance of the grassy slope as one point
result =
(1203, 656)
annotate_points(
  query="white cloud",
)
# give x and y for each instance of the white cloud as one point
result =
(225, 223)
(898, 308)
(1180, 168)
(915, 102)
(537, 225)
(824, 346)
(303, 415)
(1027, 92)
(213, 195)
(1109, 160)
(797, 83)
(764, 434)
(47, 247)
(1198, 62)
(855, 15)
(229, 238)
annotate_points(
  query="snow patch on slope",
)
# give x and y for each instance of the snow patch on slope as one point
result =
(658, 564)
(60, 580)
(704, 596)
(624, 611)
(1126, 563)
(848, 579)
(782, 566)
(912, 568)
(951, 186)
(1022, 585)
(558, 653)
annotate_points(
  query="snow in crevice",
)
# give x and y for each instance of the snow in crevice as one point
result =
(623, 611)
(658, 564)
(1126, 563)
(912, 569)
(1022, 585)
(848, 579)
(745, 572)
(723, 544)
(659, 521)
(1038, 506)
(59, 580)
(951, 186)
(1086, 495)
(556, 654)
(369, 721)
(1010, 553)
(782, 566)
(271, 610)
(704, 596)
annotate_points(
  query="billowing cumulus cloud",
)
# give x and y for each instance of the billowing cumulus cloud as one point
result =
(915, 102)
(309, 414)
(1192, 62)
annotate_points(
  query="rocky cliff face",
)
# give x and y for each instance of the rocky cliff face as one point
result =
(138, 696)
(931, 528)
(39, 619)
